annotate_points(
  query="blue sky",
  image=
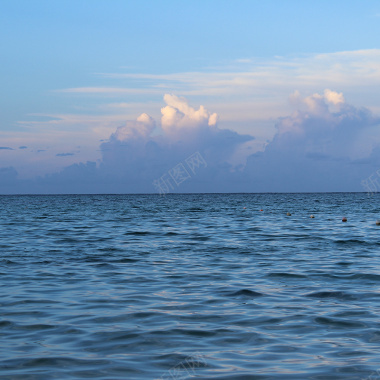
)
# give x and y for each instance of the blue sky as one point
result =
(293, 84)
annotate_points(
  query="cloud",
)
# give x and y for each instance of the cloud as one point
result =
(317, 147)
(109, 90)
(325, 122)
(178, 115)
(324, 144)
(23, 147)
(6, 148)
(253, 76)
(8, 173)
(132, 130)
(9, 183)
(333, 97)
(248, 94)
(64, 154)
(144, 150)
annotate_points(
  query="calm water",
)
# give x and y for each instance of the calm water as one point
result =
(184, 286)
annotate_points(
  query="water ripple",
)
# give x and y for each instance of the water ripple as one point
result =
(182, 286)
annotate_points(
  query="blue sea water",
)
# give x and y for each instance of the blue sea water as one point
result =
(190, 286)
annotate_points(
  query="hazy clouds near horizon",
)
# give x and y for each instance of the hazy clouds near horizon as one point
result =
(324, 145)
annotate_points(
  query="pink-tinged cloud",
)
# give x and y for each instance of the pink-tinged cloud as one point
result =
(178, 116)
(326, 144)
(320, 147)
(133, 130)
(144, 150)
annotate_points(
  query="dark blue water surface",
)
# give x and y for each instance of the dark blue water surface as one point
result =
(183, 286)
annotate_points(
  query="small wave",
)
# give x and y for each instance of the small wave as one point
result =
(340, 241)
(199, 238)
(329, 294)
(256, 229)
(368, 276)
(44, 262)
(58, 231)
(5, 324)
(194, 209)
(342, 323)
(54, 362)
(138, 233)
(32, 301)
(360, 276)
(125, 260)
(110, 249)
(8, 262)
(197, 333)
(68, 240)
(105, 266)
(38, 327)
(245, 293)
(286, 275)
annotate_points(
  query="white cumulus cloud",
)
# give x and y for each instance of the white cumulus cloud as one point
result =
(141, 128)
(178, 115)
(318, 147)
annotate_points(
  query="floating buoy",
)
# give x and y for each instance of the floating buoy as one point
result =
(261, 210)
(344, 219)
(288, 214)
(312, 216)
(377, 222)
(244, 208)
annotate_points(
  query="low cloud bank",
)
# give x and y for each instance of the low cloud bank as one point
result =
(320, 147)
(326, 144)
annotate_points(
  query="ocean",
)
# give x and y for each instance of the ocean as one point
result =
(207, 286)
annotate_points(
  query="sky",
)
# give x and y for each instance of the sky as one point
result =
(159, 96)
